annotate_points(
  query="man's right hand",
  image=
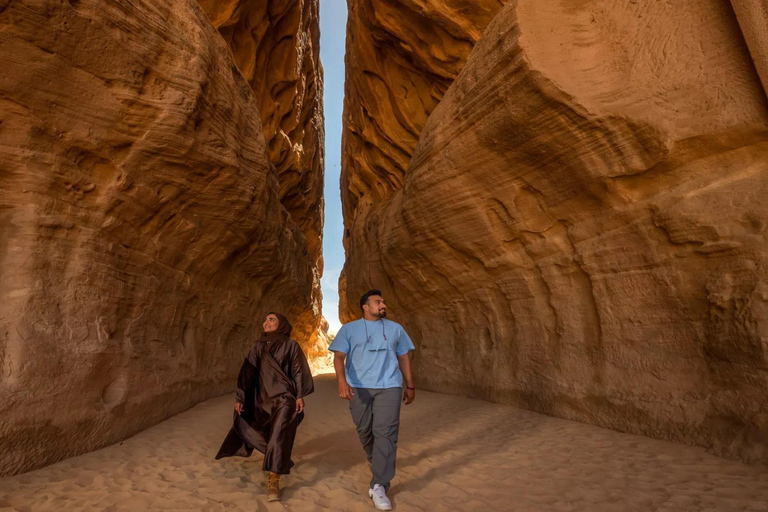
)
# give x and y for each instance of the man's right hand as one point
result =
(345, 391)
(238, 407)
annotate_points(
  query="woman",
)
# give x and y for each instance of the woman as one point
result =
(269, 405)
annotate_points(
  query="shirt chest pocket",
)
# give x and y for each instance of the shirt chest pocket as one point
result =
(382, 345)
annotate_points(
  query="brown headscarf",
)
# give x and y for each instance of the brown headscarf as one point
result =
(283, 332)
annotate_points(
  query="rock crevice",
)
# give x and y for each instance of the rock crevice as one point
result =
(401, 58)
(276, 46)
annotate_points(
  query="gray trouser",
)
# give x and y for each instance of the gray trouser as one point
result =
(376, 413)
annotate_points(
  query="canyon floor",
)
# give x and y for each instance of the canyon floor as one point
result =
(455, 454)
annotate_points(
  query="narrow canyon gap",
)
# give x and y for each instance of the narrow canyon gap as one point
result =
(563, 203)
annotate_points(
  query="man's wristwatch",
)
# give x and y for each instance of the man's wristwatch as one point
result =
(412, 389)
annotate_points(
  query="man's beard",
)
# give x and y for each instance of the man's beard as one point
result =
(381, 314)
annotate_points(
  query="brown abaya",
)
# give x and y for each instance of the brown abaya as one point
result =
(273, 376)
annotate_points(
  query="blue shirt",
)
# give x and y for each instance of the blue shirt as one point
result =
(372, 349)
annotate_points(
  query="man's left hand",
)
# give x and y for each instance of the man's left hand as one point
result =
(409, 395)
(300, 405)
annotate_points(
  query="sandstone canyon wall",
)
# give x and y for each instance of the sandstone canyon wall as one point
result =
(276, 46)
(401, 57)
(142, 235)
(581, 229)
(753, 20)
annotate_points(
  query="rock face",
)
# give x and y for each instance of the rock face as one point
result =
(401, 57)
(582, 227)
(276, 45)
(142, 236)
(753, 20)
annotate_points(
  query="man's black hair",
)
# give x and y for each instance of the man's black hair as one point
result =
(367, 295)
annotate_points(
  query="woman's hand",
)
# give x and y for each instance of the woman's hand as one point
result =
(300, 405)
(238, 407)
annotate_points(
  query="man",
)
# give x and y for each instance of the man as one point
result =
(371, 359)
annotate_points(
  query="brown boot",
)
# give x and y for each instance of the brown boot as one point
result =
(273, 487)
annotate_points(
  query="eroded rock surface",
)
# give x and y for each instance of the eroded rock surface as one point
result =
(142, 235)
(753, 20)
(402, 55)
(582, 228)
(276, 45)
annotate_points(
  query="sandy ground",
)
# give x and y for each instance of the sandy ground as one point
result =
(455, 454)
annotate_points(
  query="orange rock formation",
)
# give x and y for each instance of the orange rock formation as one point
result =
(276, 45)
(142, 235)
(581, 229)
(401, 58)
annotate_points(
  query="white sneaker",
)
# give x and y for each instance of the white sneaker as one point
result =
(379, 497)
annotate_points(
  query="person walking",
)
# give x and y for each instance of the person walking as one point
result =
(371, 358)
(269, 405)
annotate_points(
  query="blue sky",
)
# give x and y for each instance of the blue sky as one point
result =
(333, 26)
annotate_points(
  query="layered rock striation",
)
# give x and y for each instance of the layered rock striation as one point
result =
(276, 46)
(142, 235)
(582, 228)
(752, 16)
(401, 57)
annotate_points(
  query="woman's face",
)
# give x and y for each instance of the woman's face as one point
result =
(271, 323)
